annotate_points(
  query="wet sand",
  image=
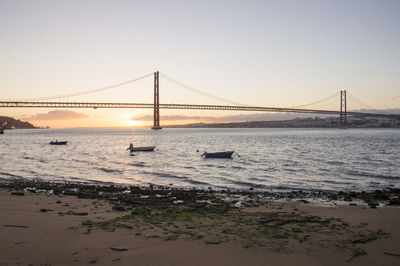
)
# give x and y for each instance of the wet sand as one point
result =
(42, 228)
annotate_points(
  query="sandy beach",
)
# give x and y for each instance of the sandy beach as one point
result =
(58, 225)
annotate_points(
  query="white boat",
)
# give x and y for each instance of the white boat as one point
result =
(149, 148)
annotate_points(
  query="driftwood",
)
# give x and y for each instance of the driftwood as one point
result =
(18, 226)
(392, 254)
(118, 249)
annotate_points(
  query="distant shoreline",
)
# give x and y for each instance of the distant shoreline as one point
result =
(316, 122)
(330, 122)
(11, 123)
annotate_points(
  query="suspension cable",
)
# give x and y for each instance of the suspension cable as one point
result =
(319, 101)
(88, 91)
(363, 104)
(198, 91)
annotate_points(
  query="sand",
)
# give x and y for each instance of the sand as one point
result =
(47, 229)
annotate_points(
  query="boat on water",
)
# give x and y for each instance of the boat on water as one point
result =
(58, 142)
(149, 148)
(133, 149)
(223, 154)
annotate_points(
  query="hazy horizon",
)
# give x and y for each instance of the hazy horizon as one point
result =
(258, 53)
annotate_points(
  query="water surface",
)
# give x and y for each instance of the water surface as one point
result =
(264, 159)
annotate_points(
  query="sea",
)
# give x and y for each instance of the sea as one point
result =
(265, 159)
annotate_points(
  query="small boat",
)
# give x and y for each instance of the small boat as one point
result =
(58, 142)
(223, 154)
(149, 148)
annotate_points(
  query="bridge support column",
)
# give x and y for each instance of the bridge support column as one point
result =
(343, 109)
(156, 124)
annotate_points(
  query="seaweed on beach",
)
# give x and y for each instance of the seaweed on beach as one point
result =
(389, 196)
(219, 223)
(216, 217)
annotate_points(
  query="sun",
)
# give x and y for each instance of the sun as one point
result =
(134, 123)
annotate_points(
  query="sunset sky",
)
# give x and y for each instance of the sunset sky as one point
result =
(262, 53)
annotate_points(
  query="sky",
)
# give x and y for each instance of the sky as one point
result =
(262, 53)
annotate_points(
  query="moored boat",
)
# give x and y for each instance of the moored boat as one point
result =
(149, 148)
(223, 154)
(58, 142)
(131, 148)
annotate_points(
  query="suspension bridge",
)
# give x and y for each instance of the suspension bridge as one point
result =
(44, 102)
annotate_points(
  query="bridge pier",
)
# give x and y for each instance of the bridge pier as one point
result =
(156, 121)
(343, 109)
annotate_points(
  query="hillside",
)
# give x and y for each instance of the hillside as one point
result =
(10, 123)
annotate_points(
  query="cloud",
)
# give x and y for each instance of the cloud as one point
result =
(396, 97)
(57, 115)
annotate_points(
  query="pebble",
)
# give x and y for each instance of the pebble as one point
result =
(45, 210)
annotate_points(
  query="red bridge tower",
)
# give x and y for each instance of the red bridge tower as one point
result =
(343, 109)
(156, 101)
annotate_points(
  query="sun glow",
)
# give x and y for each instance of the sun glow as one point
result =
(134, 123)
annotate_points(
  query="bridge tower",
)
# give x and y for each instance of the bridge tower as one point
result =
(343, 109)
(156, 101)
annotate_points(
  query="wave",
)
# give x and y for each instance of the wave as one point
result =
(88, 180)
(139, 164)
(372, 175)
(335, 163)
(238, 167)
(173, 176)
(108, 170)
(79, 161)
(243, 183)
(11, 175)
(260, 179)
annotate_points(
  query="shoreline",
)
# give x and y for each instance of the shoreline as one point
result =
(389, 196)
(111, 225)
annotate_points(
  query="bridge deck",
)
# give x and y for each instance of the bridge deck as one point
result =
(19, 104)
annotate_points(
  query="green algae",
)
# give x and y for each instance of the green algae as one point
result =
(221, 223)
